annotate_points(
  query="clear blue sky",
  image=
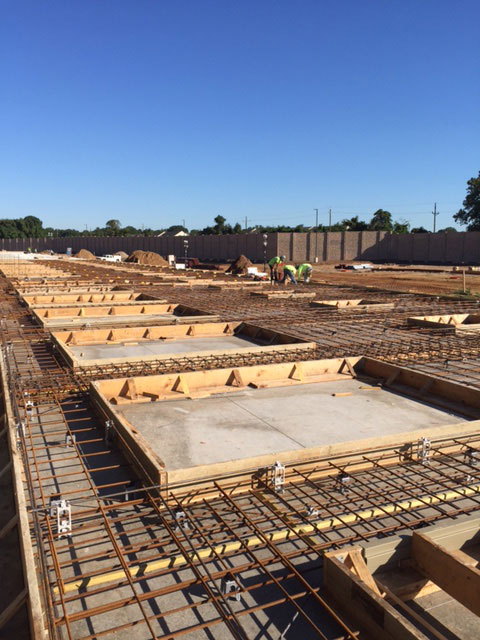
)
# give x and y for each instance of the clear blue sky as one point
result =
(155, 111)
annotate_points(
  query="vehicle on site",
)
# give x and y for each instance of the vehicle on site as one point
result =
(194, 263)
(110, 258)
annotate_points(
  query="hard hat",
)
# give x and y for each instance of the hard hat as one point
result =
(283, 258)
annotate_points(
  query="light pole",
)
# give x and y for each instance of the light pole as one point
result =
(316, 235)
(435, 213)
(265, 240)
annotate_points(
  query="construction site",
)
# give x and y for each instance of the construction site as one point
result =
(194, 454)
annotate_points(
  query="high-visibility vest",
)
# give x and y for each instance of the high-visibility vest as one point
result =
(304, 267)
(291, 268)
(274, 261)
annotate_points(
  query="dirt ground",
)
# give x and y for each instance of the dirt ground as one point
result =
(441, 280)
(407, 279)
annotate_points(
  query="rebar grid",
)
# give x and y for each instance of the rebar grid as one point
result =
(157, 562)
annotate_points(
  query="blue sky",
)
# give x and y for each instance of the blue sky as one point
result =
(156, 111)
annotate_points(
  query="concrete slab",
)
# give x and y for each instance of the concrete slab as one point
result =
(254, 422)
(157, 348)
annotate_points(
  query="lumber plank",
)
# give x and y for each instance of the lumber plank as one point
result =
(449, 571)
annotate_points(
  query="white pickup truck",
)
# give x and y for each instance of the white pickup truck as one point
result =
(110, 258)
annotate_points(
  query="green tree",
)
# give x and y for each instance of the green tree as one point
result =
(401, 226)
(419, 230)
(381, 221)
(470, 214)
(353, 224)
(113, 227)
(447, 230)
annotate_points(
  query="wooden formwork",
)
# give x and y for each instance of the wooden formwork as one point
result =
(283, 295)
(357, 304)
(131, 312)
(264, 340)
(112, 297)
(109, 394)
(392, 574)
(455, 321)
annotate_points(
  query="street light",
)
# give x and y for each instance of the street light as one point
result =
(265, 241)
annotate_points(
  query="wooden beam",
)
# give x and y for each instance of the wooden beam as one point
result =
(12, 608)
(355, 562)
(9, 526)
(448, 571)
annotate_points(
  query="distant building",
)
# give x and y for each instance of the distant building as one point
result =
(172, 234)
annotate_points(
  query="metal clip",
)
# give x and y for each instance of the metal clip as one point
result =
(70, 440)
(181, 518)
(423, 450)
(471, 456)
(62, 510)
(109, 432)
(277, 479)
(230, 587)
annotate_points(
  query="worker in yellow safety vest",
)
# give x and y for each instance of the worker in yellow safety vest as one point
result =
(274, 264)
(305, 270)
(289, 271)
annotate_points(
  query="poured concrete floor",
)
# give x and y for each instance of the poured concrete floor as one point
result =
(129, 319)
(157, 347)
(254, 422)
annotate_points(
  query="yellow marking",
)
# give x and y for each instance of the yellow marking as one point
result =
(276, 536)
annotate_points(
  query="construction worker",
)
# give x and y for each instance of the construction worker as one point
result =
(305, 269)
(290, 271)
(273, 264)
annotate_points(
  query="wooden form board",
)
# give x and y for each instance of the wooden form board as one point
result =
(450, 570)
(353, 304)
(106, 394)
(58, 289)
(266, 340)
(81, 298)
(43, 316)
(172, 332)
(34, 604)
(376, 617)
(458, 321)
(439, 392)
(283, 295)
(195, 384)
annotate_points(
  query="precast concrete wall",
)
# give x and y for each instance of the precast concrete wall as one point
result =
(335, 246)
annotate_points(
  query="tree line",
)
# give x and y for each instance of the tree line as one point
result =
(381, 220)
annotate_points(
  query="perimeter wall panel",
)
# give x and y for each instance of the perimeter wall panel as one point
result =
(443, 248)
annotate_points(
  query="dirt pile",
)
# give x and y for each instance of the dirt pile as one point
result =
(239, 267)
(147, 257)
(122, 255)
(85, 254)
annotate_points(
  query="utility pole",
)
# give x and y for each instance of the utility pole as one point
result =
(435, 213)
(246, 223)
(184, 223)
(329, 219)
(316, 235)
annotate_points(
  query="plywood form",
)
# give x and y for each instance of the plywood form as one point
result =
(357, 304)
(111, 297)
(261, 340)
(456, 321)
(107, 394)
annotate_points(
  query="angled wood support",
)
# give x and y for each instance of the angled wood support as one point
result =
(9, 526)
(448, 570)
(12, 608)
